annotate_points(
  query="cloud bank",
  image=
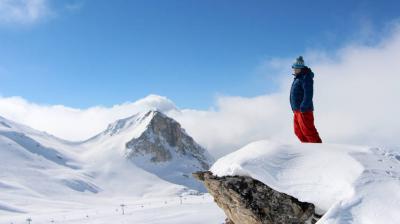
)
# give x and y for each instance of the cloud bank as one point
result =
(356, 101)
(75, 124)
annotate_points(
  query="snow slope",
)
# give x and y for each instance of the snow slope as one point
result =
(349, 184)
(25, 161)
(40, 143)
(33, 170)
(161, 210)
(40, 173)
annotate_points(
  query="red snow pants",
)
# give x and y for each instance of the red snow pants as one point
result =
(304, 127)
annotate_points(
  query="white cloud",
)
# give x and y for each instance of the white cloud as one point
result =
(71, 123)
(356, 101)
(23, 11)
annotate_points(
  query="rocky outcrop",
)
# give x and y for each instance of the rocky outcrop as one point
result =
(163, 138)
(161, 146)
(249, 201)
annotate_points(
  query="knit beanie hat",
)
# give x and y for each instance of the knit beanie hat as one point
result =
(299, 63)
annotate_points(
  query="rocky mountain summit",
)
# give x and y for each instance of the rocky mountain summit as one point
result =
(163, 134)
(165, 149)
(249, 201)
(157, 144)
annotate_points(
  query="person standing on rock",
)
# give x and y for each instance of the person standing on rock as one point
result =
(301, 94)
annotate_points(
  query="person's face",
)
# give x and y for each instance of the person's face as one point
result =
(296, 71)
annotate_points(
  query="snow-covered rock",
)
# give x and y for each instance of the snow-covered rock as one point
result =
(348, 184)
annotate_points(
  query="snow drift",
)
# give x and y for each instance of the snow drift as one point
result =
(346, 183)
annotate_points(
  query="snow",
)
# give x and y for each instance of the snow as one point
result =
(47, 178)
(346, 183)
(160, 210)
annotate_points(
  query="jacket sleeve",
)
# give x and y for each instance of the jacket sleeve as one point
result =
(308, 87)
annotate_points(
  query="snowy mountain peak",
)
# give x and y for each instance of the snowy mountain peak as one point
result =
(156, 143)
(164, 137)
(125, 124)
(165, 149)
(117, 126)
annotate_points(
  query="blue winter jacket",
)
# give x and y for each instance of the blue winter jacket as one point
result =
(301, 92)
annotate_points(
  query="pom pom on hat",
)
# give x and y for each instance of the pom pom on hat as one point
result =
(299, 63)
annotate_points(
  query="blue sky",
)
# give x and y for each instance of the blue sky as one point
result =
(86, 53)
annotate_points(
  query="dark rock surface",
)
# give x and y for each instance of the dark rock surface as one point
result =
(249, 201)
